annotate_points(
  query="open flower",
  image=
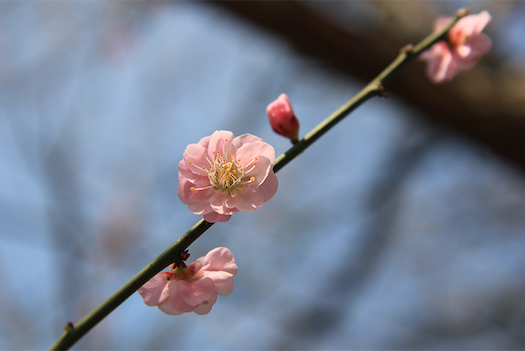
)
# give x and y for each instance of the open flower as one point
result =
(222, 175)
(466, 44)
(282, 118)
(192, 288)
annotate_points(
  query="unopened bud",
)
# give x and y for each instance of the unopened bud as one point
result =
(282, 118)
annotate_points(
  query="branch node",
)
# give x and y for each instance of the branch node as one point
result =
(406, 49)
(381, 92)
(185, 255)
(69, 327)
(462, 12)
(179, 261)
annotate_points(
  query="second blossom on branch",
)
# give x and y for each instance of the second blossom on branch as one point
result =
(192, 288)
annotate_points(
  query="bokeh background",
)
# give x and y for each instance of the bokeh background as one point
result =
(402, 228)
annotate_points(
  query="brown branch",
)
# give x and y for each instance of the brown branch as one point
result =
(485, 104)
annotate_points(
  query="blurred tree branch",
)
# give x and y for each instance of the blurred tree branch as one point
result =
(485, 104)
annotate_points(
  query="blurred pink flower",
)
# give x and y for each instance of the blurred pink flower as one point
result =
(222, 175)
(282, 118)
(466, 44)
(192, 288)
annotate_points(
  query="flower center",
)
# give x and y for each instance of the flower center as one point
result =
(226, 174)
(189, 274)
(456, 39)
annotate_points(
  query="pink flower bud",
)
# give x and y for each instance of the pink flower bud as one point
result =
(466, 44)
(282, 118)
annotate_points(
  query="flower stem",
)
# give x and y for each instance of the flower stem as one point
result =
(72, 333)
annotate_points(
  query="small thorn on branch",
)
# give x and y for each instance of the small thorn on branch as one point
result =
(381, 91)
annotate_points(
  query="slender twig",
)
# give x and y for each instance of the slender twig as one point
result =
(374, 88)
(72, 333)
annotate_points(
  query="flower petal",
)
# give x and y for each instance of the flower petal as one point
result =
(213, 217)
(472, 24)
(248, 152)
(245, 139)
(259, 171)
(218, 203)
(268, 189)
(176, 298)
(200, 208)
(219, 259)
(463, 51)
(196, 292)
(167, 308)
(223, 281)
(205, 306)
(447, 68)
(197, 179)
(219, 265)
(155, 291)
(197, 200)
(221, 143)
(439, 58)
(479, 45)
(195, 158)
(247, 201)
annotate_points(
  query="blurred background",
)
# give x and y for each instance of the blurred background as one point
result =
(402, 228)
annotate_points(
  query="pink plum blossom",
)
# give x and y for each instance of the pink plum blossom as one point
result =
(193, 288)
(223, 174)
(466, 44)
(282, 118)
